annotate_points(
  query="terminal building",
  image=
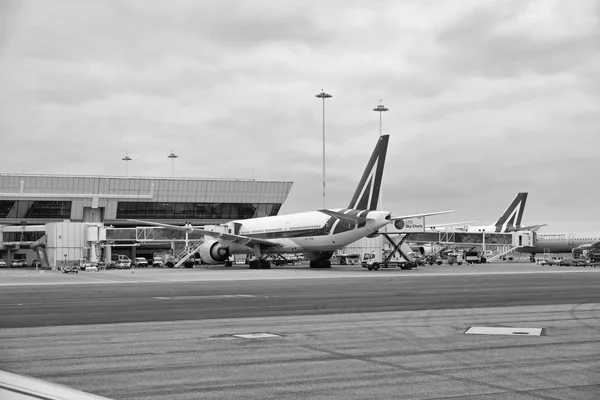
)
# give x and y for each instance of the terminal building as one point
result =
(38, 211)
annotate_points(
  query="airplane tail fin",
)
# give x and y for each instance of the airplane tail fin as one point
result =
(511, 219)
(366, 195)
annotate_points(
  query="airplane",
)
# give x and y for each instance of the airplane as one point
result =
(559, 243)
(509, 221)
(316, 234)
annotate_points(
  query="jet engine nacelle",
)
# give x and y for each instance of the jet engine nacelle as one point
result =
(424, 249)
(213, 252)
(318, 256)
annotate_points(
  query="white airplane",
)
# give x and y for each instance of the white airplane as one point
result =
(510, 221)
(560, 243)
(316, 234)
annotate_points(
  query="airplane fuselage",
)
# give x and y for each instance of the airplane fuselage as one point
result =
(307, 231)
(559, 242)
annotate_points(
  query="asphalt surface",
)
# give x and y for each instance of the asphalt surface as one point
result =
(337, 334)
(102, 303)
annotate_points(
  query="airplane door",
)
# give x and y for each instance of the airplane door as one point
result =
(571, 238)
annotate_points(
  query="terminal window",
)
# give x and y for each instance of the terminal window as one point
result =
(35, 209)
(171, 210)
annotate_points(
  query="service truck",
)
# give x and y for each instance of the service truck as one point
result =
(374, 260)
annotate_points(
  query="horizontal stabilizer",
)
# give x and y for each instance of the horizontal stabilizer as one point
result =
(450, 224)
(422, 215)
(533, 228)
(344, 217)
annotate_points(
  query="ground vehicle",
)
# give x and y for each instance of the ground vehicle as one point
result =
(473, 257)
(17, 263)
(454, 258)
(372, 261)
(157, 261)
(434, 260)
(70, 268)
(3, 263)
(36, 263)
(120, 261)
(140, 262)
(123, 264)
(554, 261)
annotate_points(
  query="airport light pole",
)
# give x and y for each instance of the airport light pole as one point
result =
(126, 159)
(323, 96)
(380, 109)
(172, 156)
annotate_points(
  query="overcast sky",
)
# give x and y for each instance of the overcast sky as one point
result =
(485, 98)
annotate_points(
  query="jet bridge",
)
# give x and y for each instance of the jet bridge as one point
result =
(493, 245)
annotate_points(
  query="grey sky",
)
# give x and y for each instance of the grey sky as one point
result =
(486, 98)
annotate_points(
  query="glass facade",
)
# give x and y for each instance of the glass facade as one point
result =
(176, 210)
(35, 209)
(21, 236)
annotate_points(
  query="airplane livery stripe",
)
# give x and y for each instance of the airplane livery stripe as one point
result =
(289, 234)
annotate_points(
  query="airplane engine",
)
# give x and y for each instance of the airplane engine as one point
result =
(212, 252)
(424, 249)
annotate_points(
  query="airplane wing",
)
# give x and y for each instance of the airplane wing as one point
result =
(449, 224)
(533, 228)
(240, 239)
(422, 215)
(14, 386)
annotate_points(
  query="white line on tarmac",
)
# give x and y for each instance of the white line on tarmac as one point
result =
(221, 296)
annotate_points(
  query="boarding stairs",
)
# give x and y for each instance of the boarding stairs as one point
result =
(188, 251)
(501, 251)
(437, 251)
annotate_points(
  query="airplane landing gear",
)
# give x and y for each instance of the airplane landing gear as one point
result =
(260, 264)
(320, 264)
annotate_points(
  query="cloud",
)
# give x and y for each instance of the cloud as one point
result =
(485, 99)
(521, 37)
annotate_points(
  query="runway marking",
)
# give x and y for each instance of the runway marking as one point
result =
(220, 296)
(488, 330)
(260, 335)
